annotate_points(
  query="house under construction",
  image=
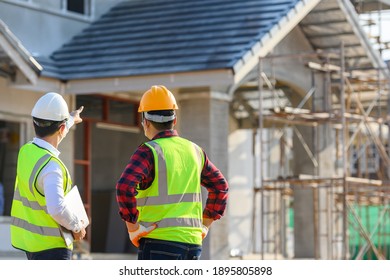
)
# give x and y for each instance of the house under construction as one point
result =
(289, 98)
(321, 156)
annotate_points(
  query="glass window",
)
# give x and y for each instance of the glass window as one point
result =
(77, 6)
(108, 109)
(121, 112)
(81, 7)
(93, 106)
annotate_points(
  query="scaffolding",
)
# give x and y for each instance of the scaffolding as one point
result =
(347, 200)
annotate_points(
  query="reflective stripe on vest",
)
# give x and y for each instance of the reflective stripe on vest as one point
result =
(175, 222)
(35, 170)
(27, 203)
(165, 198)
(47, 231)
(32, 228)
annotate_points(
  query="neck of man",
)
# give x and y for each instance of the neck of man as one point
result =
(53, 140)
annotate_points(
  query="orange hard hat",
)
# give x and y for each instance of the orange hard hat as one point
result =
(157, 98)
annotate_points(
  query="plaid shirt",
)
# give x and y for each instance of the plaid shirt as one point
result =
(140, 170)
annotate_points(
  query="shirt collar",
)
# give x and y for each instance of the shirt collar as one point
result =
(165, 134)
(46, 145)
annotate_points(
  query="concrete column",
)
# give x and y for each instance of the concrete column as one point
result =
(311, 220)
(203, 117)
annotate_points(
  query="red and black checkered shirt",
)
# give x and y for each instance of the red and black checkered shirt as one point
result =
(140, 171)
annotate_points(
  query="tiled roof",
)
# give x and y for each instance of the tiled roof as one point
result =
(142, 37)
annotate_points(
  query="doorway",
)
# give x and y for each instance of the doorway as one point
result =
(9, 146)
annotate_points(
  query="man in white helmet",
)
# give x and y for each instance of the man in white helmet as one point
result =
(39, 211)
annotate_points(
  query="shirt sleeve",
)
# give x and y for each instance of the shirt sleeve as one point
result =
(138, 174)
(70, 122)
(51, 181)
(217, 186)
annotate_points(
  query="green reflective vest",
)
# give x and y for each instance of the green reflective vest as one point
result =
(174, 200)
(32, 228)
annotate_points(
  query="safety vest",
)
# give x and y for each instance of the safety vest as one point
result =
(174, 200)
(32, 228)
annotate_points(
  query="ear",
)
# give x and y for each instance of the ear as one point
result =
(146, 123)
(174, 121)
(62, 127)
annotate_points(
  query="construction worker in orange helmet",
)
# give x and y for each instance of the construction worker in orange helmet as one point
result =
(157, 98)
(159, 192)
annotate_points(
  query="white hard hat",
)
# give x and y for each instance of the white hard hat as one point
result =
(51, 106)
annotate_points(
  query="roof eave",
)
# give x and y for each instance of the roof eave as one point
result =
(209, 78)
(350, 14)
(25, 62)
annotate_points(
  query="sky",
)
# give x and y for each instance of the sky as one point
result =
(381, 27)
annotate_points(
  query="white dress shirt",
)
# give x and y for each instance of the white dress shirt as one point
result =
(50, 182)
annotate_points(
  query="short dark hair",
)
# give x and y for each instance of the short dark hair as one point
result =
(164, 125)
(45, 128)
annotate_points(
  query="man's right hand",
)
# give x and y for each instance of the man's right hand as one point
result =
(141, 231)
(76, 115)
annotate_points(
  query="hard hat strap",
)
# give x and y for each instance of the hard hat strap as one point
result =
(43, 123)
(46, 123)
(159, 118)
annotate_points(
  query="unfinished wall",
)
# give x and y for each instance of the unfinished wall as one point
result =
(111, 151)
(203, 120)
(293, 74)
(241, 162)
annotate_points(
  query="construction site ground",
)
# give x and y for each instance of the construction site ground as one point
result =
(16, 255)
(92, 256)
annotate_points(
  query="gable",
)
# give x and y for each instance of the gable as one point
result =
(15, 61)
